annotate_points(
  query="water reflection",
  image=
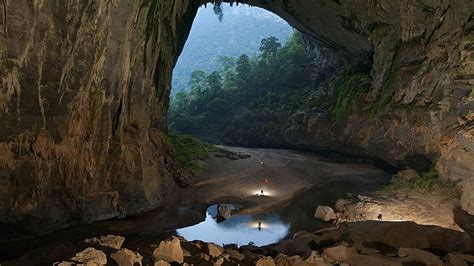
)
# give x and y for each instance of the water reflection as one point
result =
(239, 229)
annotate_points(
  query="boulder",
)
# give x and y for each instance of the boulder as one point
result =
(284, 260)
(218, 261)
(324, 213)
(127, 257)
(265, 261)
(408, 174)
(418, 255)
(111, 241)
(90, 256)
(169, 250)
(161, 263)
(213, 250)
(224, 210)
(314, 258)
(234, 254)
(203, 256)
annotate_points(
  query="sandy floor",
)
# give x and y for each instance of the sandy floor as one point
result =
(288, 174)
(281, 174)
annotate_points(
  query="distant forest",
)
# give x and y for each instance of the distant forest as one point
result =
(240, 31)
(248, 98)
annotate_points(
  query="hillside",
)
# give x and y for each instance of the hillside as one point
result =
(239, 32)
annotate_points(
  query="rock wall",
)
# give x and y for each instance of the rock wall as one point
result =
(420, 104)
(85, 88)
(83, 96)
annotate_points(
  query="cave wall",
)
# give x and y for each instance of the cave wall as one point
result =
(85, 89)
(420, 103)
(83, 96)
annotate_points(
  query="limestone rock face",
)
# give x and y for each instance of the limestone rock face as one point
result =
(85, 88)
(83, 96)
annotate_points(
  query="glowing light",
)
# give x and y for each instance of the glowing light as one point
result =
(262, 192)
(259, 225)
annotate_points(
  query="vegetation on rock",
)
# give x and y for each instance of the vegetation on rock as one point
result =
(185, 149)
(428, 181)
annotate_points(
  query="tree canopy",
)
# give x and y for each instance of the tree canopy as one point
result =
(247, 98)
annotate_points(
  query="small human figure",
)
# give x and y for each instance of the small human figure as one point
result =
(259, 227)
(261, 192)
(379, 217)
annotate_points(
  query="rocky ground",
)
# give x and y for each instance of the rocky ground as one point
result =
(359, 243)
(416, 227)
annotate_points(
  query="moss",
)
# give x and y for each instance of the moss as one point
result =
(352, 87)
(186, 149)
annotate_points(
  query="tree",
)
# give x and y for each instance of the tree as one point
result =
(269, 46)
(197, 83)
(214, 81)
(244, 70)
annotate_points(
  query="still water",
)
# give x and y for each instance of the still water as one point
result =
(276, 225)
(238, 229)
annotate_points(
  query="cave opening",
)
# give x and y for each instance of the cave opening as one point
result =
(247, 78)
(244, 80)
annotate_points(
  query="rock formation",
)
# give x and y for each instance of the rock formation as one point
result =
(85, 89)
(363, 243)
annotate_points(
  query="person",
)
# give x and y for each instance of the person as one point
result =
(379, 217)
(259, 227)
(261, 192)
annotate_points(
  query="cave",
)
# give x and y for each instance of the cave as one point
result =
(86, 86)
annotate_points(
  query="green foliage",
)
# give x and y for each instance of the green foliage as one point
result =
(239, 32)
(247, 99)
(185, 149)
(426, 182)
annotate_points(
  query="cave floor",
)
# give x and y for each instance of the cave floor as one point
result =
(283, 175)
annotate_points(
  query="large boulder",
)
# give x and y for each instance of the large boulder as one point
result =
(127, 257)
(224, 210)
(324, 213)
(169, 250)
(90, 256)
(213, 250)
